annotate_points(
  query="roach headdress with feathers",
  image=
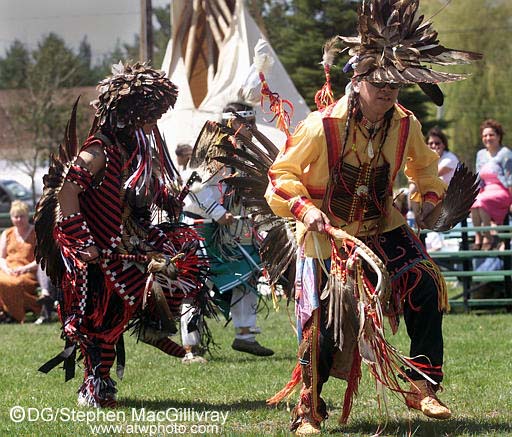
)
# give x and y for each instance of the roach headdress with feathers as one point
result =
(394, 44)
(132, 95)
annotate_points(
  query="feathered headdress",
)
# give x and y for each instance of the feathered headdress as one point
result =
(394, 44)
(132, 95)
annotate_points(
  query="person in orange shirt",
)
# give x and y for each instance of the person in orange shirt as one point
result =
(18, 281)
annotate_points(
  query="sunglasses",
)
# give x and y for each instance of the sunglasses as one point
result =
(391, 85)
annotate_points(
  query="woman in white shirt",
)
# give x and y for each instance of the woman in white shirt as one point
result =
(438, 142)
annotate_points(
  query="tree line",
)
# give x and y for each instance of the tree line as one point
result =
(46, 80)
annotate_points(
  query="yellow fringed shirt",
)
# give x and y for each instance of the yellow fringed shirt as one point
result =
(300, 174)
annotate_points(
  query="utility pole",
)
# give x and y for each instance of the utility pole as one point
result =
(146, 31)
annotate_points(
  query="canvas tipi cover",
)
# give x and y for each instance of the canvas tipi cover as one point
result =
(208, 58)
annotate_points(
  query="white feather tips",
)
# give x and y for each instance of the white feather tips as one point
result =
(196, 187)
(250, 91)
(263, 60)
(330, 51)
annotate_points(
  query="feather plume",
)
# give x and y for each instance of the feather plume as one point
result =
(331, 50)
(255, 88)
(324, 96)
(263, 62)
(250, 91)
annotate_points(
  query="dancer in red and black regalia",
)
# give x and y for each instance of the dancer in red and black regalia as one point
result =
(95, 237)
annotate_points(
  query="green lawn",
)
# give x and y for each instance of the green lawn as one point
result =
(478, 386)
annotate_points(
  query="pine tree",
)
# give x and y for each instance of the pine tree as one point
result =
(85, 74)
(14, 67)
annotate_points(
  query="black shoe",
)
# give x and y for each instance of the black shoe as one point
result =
(45, 300)
(251, 347)
(5, 318)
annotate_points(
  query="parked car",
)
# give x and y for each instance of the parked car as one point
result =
(12, 190)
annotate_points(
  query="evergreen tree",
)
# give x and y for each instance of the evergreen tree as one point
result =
(54, 65)
(85, 74)
(14, 67)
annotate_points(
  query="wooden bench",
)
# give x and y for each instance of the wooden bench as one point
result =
(458, 265)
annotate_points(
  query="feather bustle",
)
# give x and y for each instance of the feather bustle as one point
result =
(47, 211)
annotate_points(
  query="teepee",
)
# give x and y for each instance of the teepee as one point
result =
(209, 58)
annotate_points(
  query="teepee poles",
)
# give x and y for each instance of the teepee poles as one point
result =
(191, 38)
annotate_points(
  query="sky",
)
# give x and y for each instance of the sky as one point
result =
(104, 22)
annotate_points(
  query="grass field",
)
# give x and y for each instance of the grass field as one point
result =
(478, 386)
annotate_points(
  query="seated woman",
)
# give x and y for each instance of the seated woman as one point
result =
(494, 164)
(438, 142)
(18, 281)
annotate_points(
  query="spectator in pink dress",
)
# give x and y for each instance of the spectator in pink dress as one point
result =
(494, 164)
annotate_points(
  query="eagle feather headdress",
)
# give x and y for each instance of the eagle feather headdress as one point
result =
(394, 44)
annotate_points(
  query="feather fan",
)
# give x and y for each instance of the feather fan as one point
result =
(460, 196)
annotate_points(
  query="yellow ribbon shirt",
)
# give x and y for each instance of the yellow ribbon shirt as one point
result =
(300, 174)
